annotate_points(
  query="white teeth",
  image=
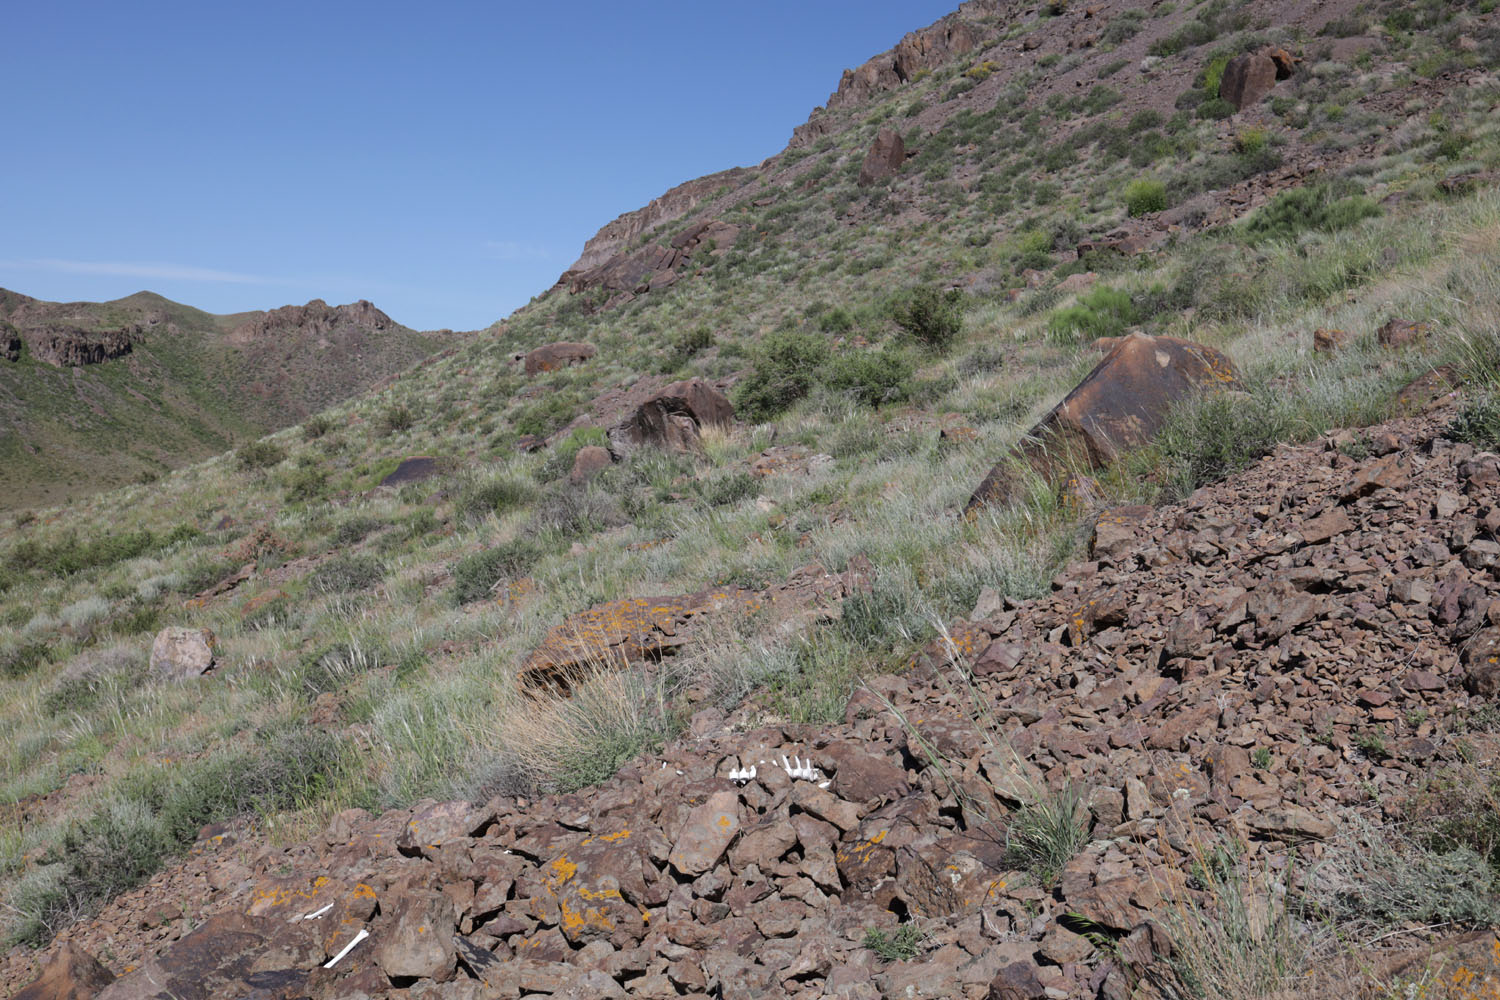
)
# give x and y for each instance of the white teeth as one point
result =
(796, 768)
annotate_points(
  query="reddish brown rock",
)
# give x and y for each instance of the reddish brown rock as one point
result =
(1327, 341)
(418, 941)
(673, 419)
(1402, 333)
(70, 973)
(1247, 78)
(707, 834)
(591, 459)
(883, 161)
(1119, 405)
(551, 357)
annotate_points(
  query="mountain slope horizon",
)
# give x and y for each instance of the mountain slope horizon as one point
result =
(95, 394)
(1035, 537)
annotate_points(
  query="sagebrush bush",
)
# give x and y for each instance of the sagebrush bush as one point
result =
(395, 418)
(351, 573)
(159, 812)
(932, 317)
(1478, 422)
(785, 368)
(871, 377)
(259, 455)
(22, 658)
(1145, 195)
(475, 576)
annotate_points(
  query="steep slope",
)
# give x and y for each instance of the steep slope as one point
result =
(568, 491)
(93, 395)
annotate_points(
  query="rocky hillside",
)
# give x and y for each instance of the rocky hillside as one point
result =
(95, 394)
(1035, 536)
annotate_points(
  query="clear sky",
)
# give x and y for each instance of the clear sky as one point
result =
(444, 160)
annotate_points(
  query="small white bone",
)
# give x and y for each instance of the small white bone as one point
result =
(347, 948)
(315, 914)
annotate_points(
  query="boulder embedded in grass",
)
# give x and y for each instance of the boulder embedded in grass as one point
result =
(1119, 405)
(180, 654)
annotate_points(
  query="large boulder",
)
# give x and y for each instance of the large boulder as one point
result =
(551, 357)
(884, 159)
(69, 974)
(1248, 78)
(179, 654)
(673, 418)
(1119, 405)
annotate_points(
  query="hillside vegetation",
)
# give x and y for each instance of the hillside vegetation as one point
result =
(94, 395)
(884, 345)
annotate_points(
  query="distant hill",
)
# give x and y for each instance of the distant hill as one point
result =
(97, 394)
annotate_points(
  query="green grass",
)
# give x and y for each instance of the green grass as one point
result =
(383, 596)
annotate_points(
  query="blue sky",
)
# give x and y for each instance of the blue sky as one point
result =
(444, 160)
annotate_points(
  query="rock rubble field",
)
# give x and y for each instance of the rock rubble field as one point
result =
(1265, 664)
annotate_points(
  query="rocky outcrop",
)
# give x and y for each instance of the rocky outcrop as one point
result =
(1257, 664)
(920, 51)
(412, 470)
(673, 418)
(611, 241)
(1119, 405)
(71, 347)
(180, 654)
(552, 357)
(1247, 79)
(653, 267)
(313, 320)
(10, 342)
(883, 161)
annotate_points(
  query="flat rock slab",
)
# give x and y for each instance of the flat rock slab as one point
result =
(412, 470)
(707, 834)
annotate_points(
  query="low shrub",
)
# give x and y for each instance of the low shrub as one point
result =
(496, 495)
(159, 812)
(21, 659)
(395, 418)
(1144, 195)
(871, 377)
(785, 367)
(346, 575)
(1478, 422)
(259, 455)
(316, 427)
(475, 576)
(932, 317)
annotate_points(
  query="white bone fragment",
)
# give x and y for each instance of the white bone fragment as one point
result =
(347, 948)
(315, 914)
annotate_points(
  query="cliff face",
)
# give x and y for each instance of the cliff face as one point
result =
(313, 320)
(617, 236)
(70, 347)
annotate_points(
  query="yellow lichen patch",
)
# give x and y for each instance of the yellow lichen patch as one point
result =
(561, 870)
